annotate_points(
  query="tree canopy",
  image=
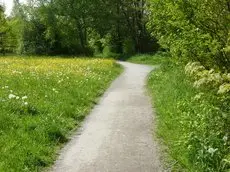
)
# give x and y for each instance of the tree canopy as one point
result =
(81, 27)
(195, 30)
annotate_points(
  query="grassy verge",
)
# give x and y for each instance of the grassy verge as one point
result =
(169, 87)
(41, 101)
(193, 123)
(157, 59)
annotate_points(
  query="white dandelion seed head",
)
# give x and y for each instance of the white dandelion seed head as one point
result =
(24, 97)
(12, 96)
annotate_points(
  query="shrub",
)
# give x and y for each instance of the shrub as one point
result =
(193, 108)
(193, 30)
(128, 47)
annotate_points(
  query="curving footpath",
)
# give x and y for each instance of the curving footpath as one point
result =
(118, 134)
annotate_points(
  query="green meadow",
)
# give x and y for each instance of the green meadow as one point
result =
(42, 100)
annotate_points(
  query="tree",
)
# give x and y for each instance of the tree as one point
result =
(78, 27)
(3, 30)
(193, 30)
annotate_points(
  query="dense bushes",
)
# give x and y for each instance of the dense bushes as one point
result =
(194, 118)
(80, 27)
(192, 104)
(7, 38)
(195, 30)
(209, 130)
(208, 78)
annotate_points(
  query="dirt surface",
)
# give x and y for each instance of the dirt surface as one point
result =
(118, 134)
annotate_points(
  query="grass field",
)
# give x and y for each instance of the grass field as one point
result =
(41, 101)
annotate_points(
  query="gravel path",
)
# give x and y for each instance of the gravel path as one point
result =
(118, 134)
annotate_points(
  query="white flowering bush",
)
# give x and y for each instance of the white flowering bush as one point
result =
(224, 88)
(209, 126)
(208, 78)
(193, 113)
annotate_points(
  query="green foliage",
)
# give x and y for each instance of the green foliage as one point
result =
(5, 33)
(193, 122)
(216, 118)
(41, 101)
(219, 82)
(75, 27)
(128, 47)
(193, 30)
(108, 53)
(148, 59)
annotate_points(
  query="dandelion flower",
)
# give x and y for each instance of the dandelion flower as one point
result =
(11, 96)
(24, 97)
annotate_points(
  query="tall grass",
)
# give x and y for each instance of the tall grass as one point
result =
(193, 123)
(41, 101)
